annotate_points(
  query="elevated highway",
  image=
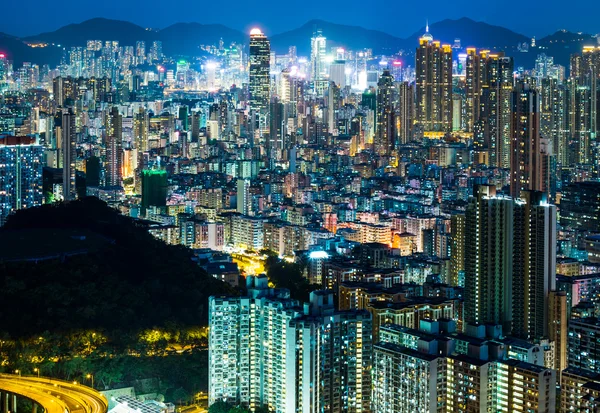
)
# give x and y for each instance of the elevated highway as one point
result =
(49, 395)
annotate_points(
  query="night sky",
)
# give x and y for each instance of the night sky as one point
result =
(397, 17)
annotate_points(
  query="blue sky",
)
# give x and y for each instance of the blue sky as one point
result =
(397, 17)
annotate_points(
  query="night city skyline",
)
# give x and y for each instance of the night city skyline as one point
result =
(283, 214)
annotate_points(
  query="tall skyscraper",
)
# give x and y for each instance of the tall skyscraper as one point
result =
(277, 129)
(534, 265)
(385, 130)
(69, 154)
(488, 258)
(434, 85)
(265, 350)
(406, 117)
(21, 160)
(495, 111)
(114, 148)
(528, 163)
(318, 69)
(154, 188)
(259, 86)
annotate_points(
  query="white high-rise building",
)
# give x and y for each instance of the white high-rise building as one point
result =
(266, 350)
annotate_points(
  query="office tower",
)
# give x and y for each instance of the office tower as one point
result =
(21, 160)
(318, 71)
(495, 111)
(69, 154)
(405, 114)
(140, 52)
(154, 188)
(337, 73)
(434, 85)
(580, 206)
(259, 86)
(488, 258)
(385, 133)
(457, 250)
(265, 350)
(529, 157)
(534, 265)
(114, 148)
(244, 199)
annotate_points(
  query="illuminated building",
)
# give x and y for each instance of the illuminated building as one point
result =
(554, 117)
(488, 258)
(534, 265)
(259, 87)
(576, 387)
(265, 350)
(154, 188)
(495, 113)
(244, 201)
(427, 370)
(21, 162)
(583, 344)
(69, 154)
(385, 133)
(529, 167)
(580, 206)
(318, 70)
(247, 232)
(405, 118)
(114, 148)
(433, 85)
(277, 130)
(457, 248)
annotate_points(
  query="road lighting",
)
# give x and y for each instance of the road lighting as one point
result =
(36, 370)
(91, 376)
(18, 372)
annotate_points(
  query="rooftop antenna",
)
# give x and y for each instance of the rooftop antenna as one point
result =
(427, 26)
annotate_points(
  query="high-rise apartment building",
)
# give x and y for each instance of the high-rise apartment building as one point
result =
(385, 130)
(433, 85)
(21, 161)
(69, 154)
(264, 349)
(114, 148)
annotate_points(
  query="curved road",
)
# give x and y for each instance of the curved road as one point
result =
(55, 396)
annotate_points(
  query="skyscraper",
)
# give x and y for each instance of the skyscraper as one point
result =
(434, 85)
(244, 201)
(154, 188)
(385, 132)
(528, 162)
(318, 70)
(114, 148)
(277, 129)
(495, 111)
(488, 258)
(21, 160)
(534, 265)
(265, 350)
(69, 154)
(405, 118)
(259, 86)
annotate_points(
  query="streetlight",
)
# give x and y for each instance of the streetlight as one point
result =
(36, 370)
(18, 372)
(91, 376)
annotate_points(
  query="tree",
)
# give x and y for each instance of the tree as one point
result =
(219, 407)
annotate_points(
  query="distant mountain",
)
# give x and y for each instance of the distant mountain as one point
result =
(18, 51)
(183, 39)
(472, 34)
(562, 44)
(338, 35)
(95, 29)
